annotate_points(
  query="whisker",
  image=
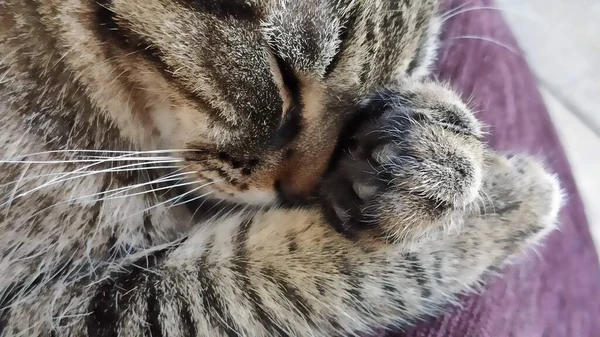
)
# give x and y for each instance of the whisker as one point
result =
(113, 197)
(454, 10)
(116, 191)
(77, 170)
(123, 189)
(200, 207)
(488, 39)
(61, 178)
(187, 201)
(196, 198)
(135, 158)
(65, 177)
(175, 198)
(108, 151)
(94, 160)
(184, 194)
(116, 170)
(447, 17)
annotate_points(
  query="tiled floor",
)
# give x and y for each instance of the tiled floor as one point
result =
(561, 41)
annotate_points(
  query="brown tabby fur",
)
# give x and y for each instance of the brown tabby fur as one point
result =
(150, 152)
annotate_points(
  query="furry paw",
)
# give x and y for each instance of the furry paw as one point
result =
(414, 161)
(521, 195)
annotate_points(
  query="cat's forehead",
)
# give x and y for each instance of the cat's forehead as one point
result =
(304, 33)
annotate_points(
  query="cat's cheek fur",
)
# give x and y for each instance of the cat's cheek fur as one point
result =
(110, 108)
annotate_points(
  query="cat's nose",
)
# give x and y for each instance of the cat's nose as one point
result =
(297, 189)
(299, 180)
(288, 196)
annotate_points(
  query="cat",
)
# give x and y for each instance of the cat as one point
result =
(243, 168)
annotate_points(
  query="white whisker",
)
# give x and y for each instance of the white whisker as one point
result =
(123, 189)
(454, 10)
(176, 203)
(76, 171)
(116, 170)
(199, 207)
(449, 16)
(116, 196)
(117, 191)
(91, 165)
(487, 39)
(176, 198)
(108, 151)
(169, 177)
(187, 201)
(65, 177)
(95, 160)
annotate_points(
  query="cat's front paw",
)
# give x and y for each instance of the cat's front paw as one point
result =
(409, 166)
(523, 196)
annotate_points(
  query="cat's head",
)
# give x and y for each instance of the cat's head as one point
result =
(256, 90)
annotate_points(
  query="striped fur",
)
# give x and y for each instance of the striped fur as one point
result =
(243, 168)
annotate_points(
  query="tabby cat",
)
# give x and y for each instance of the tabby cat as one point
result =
(243, 168)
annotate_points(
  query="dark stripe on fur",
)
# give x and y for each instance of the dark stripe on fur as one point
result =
(56, 126)
(369, 43)
(437, 268)
(240, 267)
(290, 292)
(4, 318)
(110, 30)
(212, 303)
(344, 40)
(113, 296)
(353, 279)
(148, 228)
(104, 318)
(153, 311)
(290, 126)
(23, 288)
(417, 272)
(230, 9)
(188, 325)
(419, 55)
(420, 52)
(322, 286)
(395, 295)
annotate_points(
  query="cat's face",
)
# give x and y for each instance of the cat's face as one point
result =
(258, 90)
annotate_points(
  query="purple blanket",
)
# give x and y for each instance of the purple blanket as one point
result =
(555, 293)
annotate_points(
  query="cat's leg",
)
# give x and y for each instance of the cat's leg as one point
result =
(412, 165)
(288, 273)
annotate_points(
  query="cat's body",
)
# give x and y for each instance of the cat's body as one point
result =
(143, 144)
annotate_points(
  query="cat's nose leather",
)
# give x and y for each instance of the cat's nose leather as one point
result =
(301, 176)
(289, 196)
(298, 186)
